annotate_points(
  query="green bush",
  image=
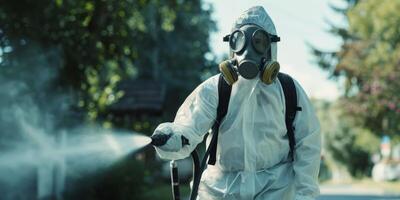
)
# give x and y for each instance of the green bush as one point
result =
(123, 180)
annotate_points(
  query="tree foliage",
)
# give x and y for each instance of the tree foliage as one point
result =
(369, 63)
(101, 42)
(344, 142)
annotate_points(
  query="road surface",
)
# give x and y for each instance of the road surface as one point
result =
(351, 192)
(358, 197)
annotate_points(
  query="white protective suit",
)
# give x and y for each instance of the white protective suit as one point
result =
(252, 151)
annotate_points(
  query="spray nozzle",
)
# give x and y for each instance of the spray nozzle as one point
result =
(161, 139)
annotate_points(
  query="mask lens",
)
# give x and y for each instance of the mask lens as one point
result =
(237, 41)
(260, 41)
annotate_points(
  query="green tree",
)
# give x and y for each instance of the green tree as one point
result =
(173, 51)
(369, 63)
(344, 141)
(101, 42)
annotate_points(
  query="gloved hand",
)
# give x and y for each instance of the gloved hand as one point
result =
(166, 140)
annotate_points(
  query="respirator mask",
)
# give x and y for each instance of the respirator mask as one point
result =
(250, 48)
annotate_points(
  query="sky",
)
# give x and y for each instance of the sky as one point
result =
(298, 23)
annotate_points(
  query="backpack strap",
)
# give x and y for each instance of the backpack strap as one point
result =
(224, 94)
(289, 90)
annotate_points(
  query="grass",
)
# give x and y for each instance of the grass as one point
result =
(387, 186)
(164, 192)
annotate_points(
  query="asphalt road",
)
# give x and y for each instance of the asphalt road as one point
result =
(358, 197)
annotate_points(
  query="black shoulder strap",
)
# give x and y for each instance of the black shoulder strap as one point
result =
(289, 90)
(224, 94)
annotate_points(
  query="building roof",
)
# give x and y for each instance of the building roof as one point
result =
(140, 97)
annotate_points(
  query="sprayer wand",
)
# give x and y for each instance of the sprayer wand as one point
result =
(174, 180)
(161, 139)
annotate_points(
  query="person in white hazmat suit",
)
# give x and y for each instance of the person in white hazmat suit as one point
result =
(252, 154)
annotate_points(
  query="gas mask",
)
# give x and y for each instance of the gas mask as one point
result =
(250, 48)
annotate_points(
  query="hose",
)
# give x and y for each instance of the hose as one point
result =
(198, 168)
(196, 174)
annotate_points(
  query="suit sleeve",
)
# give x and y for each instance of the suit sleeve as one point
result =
(194, 118)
